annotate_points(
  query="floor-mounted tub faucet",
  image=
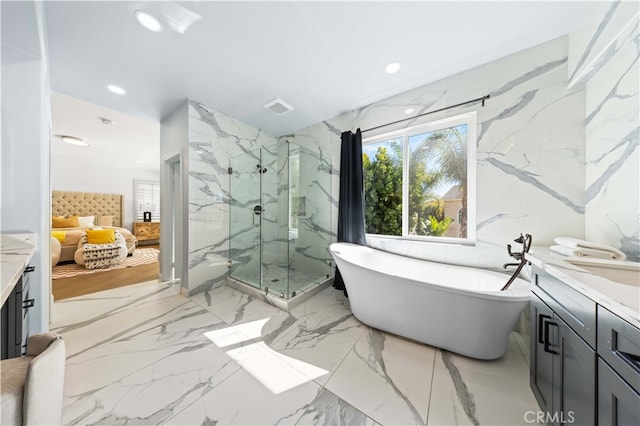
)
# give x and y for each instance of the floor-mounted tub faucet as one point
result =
(525, 240)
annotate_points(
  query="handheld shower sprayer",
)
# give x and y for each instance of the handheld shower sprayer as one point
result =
(525, 240)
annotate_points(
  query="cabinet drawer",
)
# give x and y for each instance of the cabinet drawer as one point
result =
(619, 345)
(577, 310)
(618, 403)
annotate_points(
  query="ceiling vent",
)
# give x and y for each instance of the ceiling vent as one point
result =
(278, 106)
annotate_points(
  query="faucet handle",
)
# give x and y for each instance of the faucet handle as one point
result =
(515, 255)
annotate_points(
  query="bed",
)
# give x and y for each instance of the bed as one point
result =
(107, 211)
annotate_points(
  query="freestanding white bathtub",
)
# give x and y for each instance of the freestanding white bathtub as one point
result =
(456, 308)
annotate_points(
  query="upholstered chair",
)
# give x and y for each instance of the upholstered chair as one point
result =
(31, 387)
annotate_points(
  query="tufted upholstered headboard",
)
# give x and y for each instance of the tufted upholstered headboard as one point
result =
(65, 203)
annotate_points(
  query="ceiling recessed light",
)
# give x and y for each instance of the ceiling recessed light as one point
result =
(392, 68)
(148, 21)
(74, 141)
(116, 89)
(138, 161)
(409, 110)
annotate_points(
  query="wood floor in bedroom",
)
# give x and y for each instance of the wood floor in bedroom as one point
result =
(80, 285)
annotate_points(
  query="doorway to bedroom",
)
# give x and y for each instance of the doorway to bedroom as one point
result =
(100, 155)
(172, 256)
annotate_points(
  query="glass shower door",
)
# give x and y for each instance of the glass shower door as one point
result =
(245, 218)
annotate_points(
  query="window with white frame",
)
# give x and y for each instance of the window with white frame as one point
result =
(419, 182)
(146, 199)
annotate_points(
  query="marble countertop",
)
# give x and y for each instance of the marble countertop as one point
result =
(621, 299)
(15, 254)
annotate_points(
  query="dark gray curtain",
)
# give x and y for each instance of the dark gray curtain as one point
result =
(351, 198)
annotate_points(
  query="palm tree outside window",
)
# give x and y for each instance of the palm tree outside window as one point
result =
(420, 181)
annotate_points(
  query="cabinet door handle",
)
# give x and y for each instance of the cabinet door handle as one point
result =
(29, 303)
(547, 345)
(29, 269)
(541, 318)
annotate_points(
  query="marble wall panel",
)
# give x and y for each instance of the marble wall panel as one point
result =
(612, 187)
(530, 167)
(594, 36)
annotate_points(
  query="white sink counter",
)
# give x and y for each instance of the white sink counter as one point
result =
(15, 254)
(621, 299)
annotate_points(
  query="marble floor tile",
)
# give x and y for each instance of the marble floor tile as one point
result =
(70, 314)
(114, 346)
(387, 378)
(327, 299)
(467, 391)
(328, 409)
(321, 332)
(244, 400)
(234, 306)
(147, 355)
(522, 345)
(157, 392)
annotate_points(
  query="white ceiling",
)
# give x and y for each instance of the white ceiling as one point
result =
(128, 142)
(323, 58)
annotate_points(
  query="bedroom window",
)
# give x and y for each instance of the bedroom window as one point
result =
(147, 199)
(419, 182)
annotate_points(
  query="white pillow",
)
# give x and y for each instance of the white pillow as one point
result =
(86, 221)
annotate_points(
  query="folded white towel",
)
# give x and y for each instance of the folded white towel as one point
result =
(575, 243)
(582, 252)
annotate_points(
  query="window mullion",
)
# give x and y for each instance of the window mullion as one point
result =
(405, 186)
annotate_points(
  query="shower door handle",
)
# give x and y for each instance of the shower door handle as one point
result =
(257, 211)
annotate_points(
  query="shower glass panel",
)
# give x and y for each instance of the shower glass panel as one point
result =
(309, 218)
(245, 214)
(283, 249)
(274, 247)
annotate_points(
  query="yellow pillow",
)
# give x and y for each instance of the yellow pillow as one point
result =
(64, 222)
(101, 236)
(59, 235)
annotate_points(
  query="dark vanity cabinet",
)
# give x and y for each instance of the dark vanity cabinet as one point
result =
(585, 360)
(563, 357)
(15, 318)
(618, 370)
(541, 363)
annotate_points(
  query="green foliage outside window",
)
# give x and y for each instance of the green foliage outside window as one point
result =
(435, 159)
(383, 193)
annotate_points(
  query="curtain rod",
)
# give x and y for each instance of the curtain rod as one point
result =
(484, 98)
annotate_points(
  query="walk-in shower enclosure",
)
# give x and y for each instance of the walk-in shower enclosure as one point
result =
(279, 219)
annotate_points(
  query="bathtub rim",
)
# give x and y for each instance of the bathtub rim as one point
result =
(520, 291)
